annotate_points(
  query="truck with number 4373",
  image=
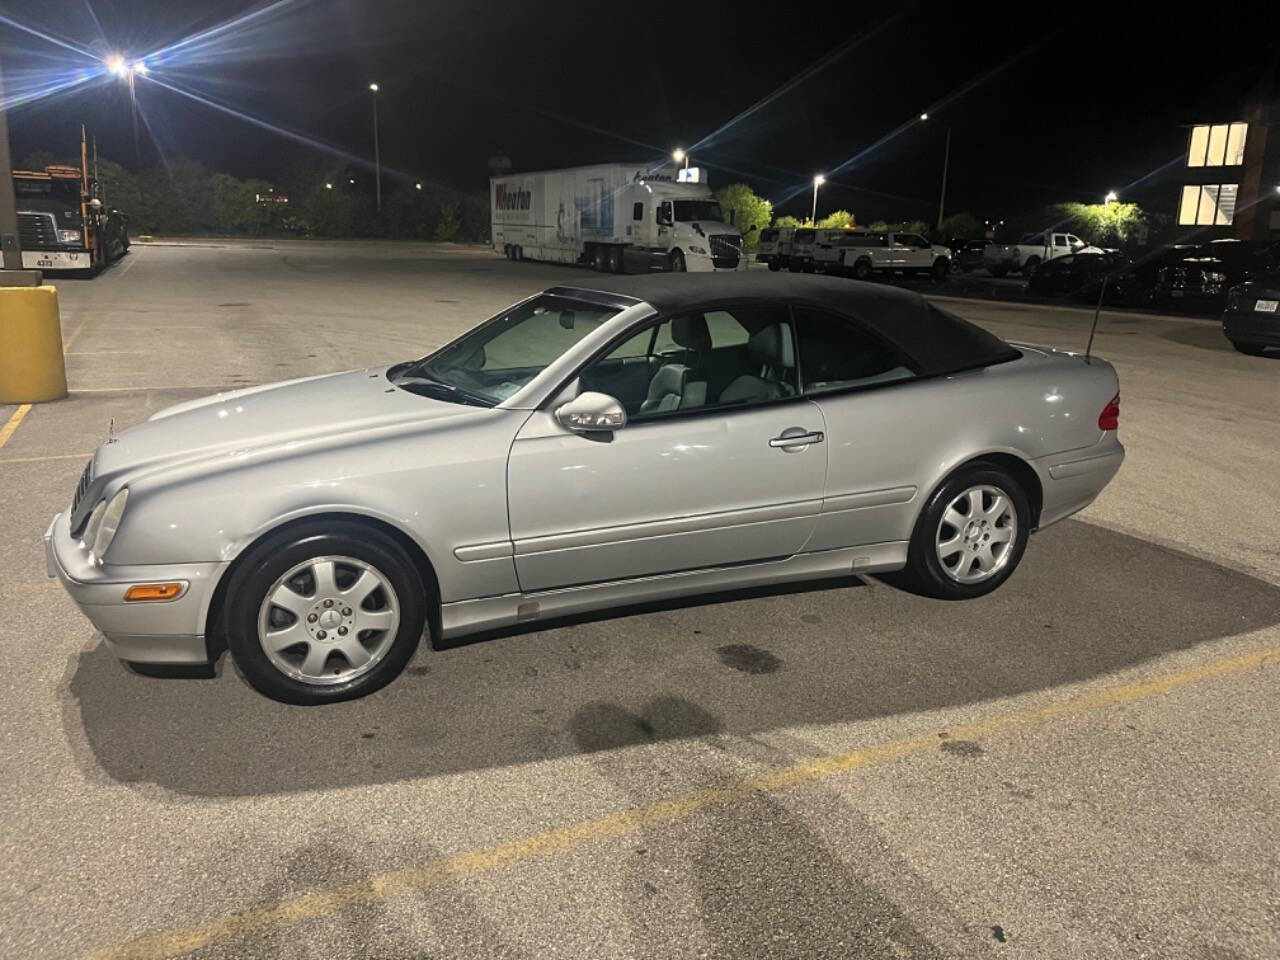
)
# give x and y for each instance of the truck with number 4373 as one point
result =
(614, 217)
(63, 227)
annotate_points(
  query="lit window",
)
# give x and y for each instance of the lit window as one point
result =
(1235, 144)
(1213, 204)
(1187, 208)
(1217, 145)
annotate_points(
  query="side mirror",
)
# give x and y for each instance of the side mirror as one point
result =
(751, 228)
(590, 412)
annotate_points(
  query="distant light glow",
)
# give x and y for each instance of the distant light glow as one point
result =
(417, 186)
(819, 180)
(1112, 197)
(141, 67)
(352, 180)
(924, 116)
(328, 186)
(373, 87)
(115, 63)
(677, 155)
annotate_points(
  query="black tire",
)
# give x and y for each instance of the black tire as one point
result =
(796, 266)
(1249, 349)
(862, 270)
(1000, 272)
(941, 267)
(1029, 267)
(775, 266)
(675, 262)
(274, 557)
(924, 573)
(517, 253)
(615, 260)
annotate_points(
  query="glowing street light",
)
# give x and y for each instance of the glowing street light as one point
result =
(1111, 197)
(818, 181)
(377, 158)
(417, 186)
(141, 67)
(679, 156)
(115, 63)
(328, 186)
(352, 180)
(924, 116)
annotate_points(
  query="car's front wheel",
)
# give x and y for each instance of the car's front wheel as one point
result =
(324, 611)
(970, 536)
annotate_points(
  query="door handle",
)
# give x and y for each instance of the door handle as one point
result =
(797, 439)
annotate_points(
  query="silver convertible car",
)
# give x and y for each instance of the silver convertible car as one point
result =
(630, 440)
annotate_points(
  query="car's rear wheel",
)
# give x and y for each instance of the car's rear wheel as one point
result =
(774, 265)
(1251, 349)
(970, 536)
(323, 612)
(1029, 267)
(862, 270)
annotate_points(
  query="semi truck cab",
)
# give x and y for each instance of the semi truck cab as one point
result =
(680, 227)
(61, 228)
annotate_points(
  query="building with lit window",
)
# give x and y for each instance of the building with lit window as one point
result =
(1230, 185)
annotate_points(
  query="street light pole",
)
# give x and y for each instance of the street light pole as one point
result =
(946, 163)
(11, 258)
(818, 181)
(377, 157)
(133, 103)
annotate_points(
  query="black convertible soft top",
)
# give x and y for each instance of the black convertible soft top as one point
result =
(938, 340)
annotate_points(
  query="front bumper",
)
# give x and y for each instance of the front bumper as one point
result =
(56, 260)
(705, 263)
(165, 632)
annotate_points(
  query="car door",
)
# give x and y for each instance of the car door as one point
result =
(728, 469)
(897, 252)
(881, 422)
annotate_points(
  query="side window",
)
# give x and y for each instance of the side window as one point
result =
(835, 353)
(727, 357)
(1060, 240)
(637, 210)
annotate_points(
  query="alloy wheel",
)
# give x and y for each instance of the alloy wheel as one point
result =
(976, 535)
(328, 620)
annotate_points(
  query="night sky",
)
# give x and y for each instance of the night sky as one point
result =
(1055, 102)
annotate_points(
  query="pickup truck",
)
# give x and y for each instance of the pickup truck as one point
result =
(1031, 251)
(864, 253)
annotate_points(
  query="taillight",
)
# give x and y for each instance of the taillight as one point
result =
(1109, 418)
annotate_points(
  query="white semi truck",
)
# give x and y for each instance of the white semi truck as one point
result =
(615, 218)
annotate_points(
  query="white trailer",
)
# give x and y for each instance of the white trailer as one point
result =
(613, 217)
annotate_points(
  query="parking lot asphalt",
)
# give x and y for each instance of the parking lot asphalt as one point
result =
(1082, 765)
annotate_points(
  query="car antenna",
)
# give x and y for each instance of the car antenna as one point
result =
(1102, 292)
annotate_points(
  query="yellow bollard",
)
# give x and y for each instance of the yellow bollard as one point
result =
(32, 368)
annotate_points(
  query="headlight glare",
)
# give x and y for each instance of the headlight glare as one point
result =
(110, 523)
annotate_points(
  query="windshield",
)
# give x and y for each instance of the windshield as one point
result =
(687, 210)
(61, 197)
(496, 359)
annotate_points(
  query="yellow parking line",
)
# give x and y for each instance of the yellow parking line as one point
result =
(171, 943)
(176, 386)
(51, 456)
(7, 430)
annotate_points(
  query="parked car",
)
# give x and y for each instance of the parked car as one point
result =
(775, 246)
(1032, 250)
(1203, 276)
(869, 252)
(967, 255)
(632, 439)
(1251, 320)
(1080, 276)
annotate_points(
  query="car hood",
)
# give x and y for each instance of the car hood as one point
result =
(273, 420)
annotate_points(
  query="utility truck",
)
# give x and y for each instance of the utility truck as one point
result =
(774, 249)
(614, 217)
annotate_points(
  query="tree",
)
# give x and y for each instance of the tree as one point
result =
(1106, 224)
(962, 226)
(790, 221)
(837, 220)
(745, 210)
(447, 226)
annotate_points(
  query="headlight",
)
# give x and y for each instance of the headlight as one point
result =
(91, 528)
(68, 236)
(694, 248)
(110, 523)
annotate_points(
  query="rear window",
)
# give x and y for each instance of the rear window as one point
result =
(804, 236)
(769, 234)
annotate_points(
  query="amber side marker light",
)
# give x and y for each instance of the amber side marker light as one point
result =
(151, 592)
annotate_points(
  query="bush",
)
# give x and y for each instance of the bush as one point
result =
(837, 220)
